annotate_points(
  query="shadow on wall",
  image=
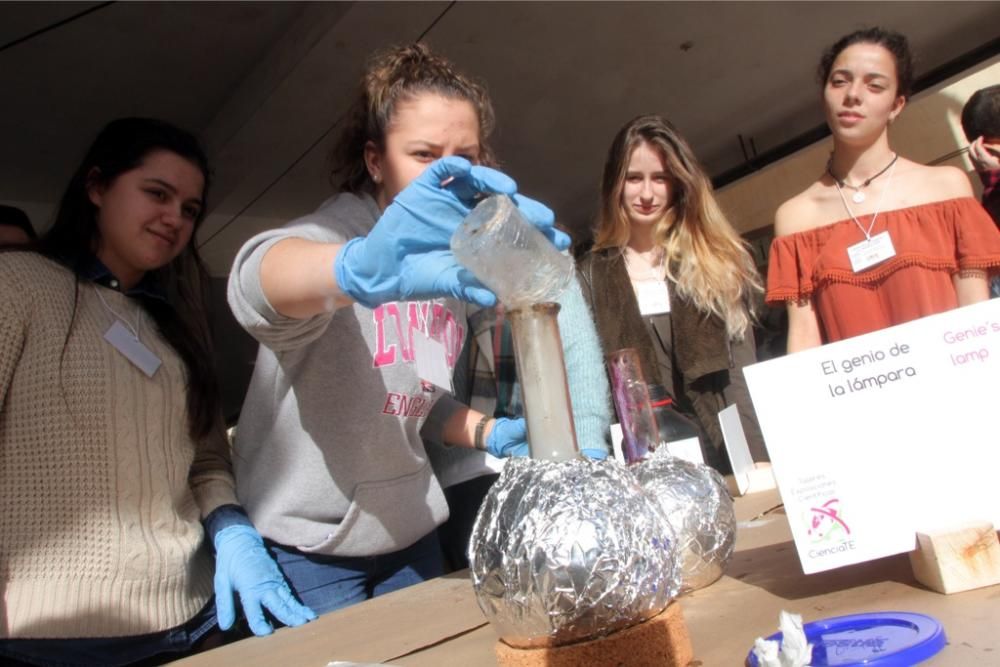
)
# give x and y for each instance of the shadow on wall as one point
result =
(235, 352)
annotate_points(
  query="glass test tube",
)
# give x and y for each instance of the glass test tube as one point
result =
(541, 370)
(639, 428)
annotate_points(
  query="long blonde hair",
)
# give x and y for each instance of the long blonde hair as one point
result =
(706, 259)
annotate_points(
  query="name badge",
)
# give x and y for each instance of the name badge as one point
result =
(431, 360)
(132, 348)
(870, 252)
(653, 296)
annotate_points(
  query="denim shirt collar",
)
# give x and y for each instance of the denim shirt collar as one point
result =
(97, 272)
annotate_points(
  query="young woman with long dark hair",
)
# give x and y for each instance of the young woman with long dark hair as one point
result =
(877, 239)
(112, 453)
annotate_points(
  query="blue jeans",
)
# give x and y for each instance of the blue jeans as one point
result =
(326, 583)
(111, 651)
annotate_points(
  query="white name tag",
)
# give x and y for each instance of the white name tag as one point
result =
(870, 252)
(431, 360)
(653, 296)
(132, 348)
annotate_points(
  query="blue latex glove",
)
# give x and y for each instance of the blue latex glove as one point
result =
(595, 454)
(242, 565)
(509, 437)
(407, 255)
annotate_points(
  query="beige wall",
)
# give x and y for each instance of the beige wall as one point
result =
(928, 131)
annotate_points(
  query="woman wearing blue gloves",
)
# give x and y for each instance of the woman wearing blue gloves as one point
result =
(346, 302)
(110, 432)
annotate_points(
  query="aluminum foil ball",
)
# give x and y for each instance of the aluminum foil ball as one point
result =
(570, 550)
(698, 505)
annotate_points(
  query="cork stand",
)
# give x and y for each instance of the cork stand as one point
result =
(662, 641)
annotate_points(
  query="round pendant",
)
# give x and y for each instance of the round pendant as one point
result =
(858, 197)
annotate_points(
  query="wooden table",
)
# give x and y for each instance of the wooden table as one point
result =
(438, 624)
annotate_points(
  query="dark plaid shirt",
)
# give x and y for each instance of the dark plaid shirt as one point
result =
(490, 378)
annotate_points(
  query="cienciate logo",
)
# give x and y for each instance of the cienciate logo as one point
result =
(826, 524)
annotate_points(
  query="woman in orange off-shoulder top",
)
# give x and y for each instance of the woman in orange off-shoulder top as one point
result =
(878, 240)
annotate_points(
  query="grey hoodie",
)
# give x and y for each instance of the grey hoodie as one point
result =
(328, 455)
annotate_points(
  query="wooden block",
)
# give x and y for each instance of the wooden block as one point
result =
(958, 559)
(662, 641)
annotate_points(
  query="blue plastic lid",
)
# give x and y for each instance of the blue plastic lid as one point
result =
(883, 639)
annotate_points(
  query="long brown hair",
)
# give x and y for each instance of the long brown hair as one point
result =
(120, 147)
(391, 77)
(705, 258)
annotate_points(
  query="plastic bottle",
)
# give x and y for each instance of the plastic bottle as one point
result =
(510, 256)
(678, 433)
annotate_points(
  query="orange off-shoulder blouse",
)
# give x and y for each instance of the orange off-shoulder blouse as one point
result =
(932, 242)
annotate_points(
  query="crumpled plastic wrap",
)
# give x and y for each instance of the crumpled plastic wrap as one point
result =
(794, 650)
(570, 550)
(699, 508)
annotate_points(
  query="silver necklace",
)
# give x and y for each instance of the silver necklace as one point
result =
(859, 196)
(878, 209)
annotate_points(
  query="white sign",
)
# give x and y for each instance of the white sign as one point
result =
(688, 449)
(735, 441)
(877, 437)
(617, 437)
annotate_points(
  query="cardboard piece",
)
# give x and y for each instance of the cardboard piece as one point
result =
(736, 446)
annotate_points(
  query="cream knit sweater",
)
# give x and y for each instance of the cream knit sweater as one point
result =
(101, 488)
